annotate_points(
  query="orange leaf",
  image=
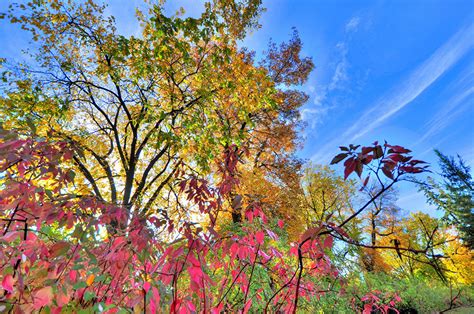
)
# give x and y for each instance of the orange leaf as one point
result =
(90, 280)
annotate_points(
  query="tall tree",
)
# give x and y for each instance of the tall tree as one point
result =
(143, 110)
(454, 195)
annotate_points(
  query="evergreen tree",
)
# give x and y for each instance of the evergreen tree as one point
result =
(454, 195)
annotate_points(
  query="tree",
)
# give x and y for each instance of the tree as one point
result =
(141, 111)
(118, 154)
(454, 195)
(327, 197)
(381, 221)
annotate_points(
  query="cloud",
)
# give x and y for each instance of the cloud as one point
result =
(450, 111)
(313, 115)
(408, 90)
(340, 73)
(320, 108)
(353, 24)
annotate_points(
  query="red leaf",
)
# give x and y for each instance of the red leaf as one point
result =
(146, 286)
(234, 248)
(359, 168)
(247, 306)
(367, 309)
(11, 236)
(378, 152)
(191, 306)
(396, 157)
(73, 275)
(7, 283)
(259, 236)
(366, 150)
(365, 182)
(156, 295)
(328, 242)
(399, 149)
(195, 273)
(341, 232)
(42, 297)
(249, 215)
(310, 233)
(62, 299)
(218, 309)
(387, 172)
(349, 165)
(281, 223)
(338, 158)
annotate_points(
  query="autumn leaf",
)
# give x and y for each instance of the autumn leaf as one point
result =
(247, 306)
(281, 224)
(59, 248)
(328, 242)
(350, 165)
(146, 286)
(338, 158)
(260, 236)
(90, 279)
(7, 283)
(42, 297)
(310, 233)
(62, 299)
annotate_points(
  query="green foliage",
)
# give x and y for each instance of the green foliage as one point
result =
(454, 195)
(424, 296)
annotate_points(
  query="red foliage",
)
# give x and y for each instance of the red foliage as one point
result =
(378, 302)
(392, 160)
(82, 264)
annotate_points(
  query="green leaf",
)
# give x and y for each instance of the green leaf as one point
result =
(49, 193)
(31, 125)
(80, 285)
(71, 175)
(89, 296)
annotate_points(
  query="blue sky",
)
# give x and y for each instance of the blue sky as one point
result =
(395, 70)
(400, 71)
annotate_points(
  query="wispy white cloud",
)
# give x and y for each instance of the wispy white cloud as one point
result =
(353, 24)
(314, 114)
(451, 109)
(446, 116)
(408, 90)
(340, 73)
